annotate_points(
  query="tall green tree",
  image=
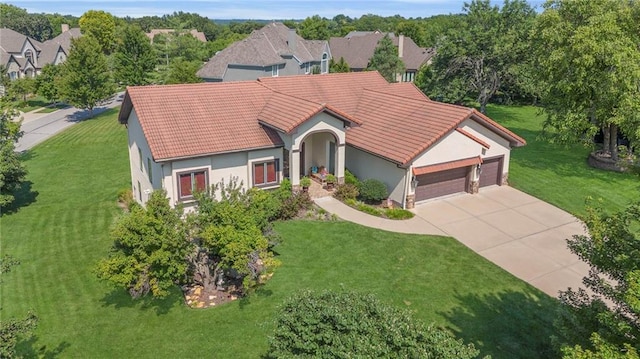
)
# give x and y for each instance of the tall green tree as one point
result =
(102, 26)
(386, 61)
(12, 171)
(412, 29)
(150, 249)
(479, 57)
(86, 79)
(608, 318)
(21, 88)
(314, 28)
(183, 72)
(134, 57)
(36, 26)
(48, 82)
(589, 64)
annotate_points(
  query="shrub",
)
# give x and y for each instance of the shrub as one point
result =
(398, 213)
(350, 178)
(293, 204)
(305, 181)
(363, 207)
(125, 196)
(331, 178)
(352, 325)
(373, 191)
(346, 191)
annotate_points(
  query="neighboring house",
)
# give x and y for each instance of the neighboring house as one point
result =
(193, 32)
(19, 54)
(357, 48)
(274, 50)
(188, 137)
(24, 57)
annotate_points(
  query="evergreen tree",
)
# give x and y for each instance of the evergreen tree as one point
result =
(134, 57)
(86, 79)
(340, 66)
(386, 61)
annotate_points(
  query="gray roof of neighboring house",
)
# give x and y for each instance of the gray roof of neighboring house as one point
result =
(11, 42)
(358, 46)
(51, 47)
(263, 47)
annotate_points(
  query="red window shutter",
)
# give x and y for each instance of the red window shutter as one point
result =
(258, 174)
(185, 185)
(271, 172)
(200, 181)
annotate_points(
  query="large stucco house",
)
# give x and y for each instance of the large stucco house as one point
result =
(274, 50)
(357, 47)
(187, 137)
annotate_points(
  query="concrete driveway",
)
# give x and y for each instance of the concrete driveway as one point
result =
(518, 232)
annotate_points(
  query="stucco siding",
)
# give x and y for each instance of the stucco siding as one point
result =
(498, 145)
(365, 165)
(244, 73)
(139, 152)
(454, 146)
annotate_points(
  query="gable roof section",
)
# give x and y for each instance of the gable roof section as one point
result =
(357, 48)
(397, 122)
(181, 121)
(263, 47)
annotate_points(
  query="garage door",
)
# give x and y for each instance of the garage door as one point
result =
(441, 183)
(491, 171)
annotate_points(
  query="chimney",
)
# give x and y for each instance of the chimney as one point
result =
(292, 40)
(400, 45)
(64, 27)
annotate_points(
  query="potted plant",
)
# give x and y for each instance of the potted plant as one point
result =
(331, 180)
(305, 182)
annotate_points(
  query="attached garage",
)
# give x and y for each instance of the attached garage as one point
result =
(444, 178)
(441, 183)
(491, 171)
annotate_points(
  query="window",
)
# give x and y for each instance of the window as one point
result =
(29, 55)
(265, 173)
(408, 76)
(190, 182)
(149, 170)
(307, 68)
(324, 65)
(274, 71)
(13, 75)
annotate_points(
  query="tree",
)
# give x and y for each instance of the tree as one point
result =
(20, 89)
(86, 79)
(386, 61)
(340, 66)
(150, 249)
(314, 28)
(134, 57)
(351, 325)
(608, 318)
(413, 30)
(589, 65)
(36, 26)
(102, 26)
(48, 82)
(183, 72)
(479, 57)
(12, 171)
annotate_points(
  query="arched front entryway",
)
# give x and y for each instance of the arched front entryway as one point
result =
(316, 150)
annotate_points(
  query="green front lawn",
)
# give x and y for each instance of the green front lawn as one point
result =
(61, 230)
(559, 174)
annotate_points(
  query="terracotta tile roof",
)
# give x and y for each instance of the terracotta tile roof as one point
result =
(199, 119)
(396, 121)
(471, 136)
(193, 32)
(447, 166)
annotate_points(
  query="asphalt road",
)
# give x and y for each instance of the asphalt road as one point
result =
(38, 127)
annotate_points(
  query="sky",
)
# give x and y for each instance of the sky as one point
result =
(246, 9)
